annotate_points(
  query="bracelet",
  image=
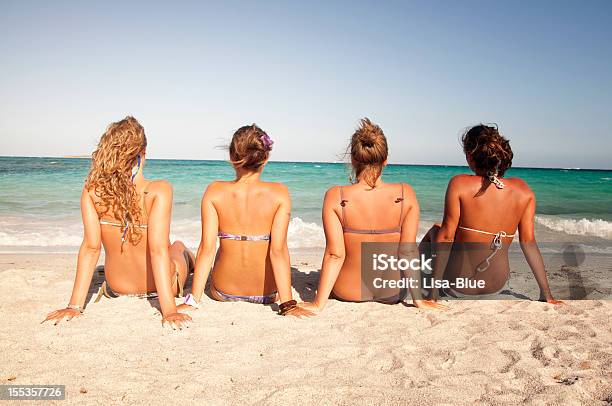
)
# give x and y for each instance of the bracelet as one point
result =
(190, 300)
(286, 307)
(75, 307)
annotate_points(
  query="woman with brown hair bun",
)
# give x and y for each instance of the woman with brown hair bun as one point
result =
(367, 210)
(250, 217)
(130, 216)
(485, 210)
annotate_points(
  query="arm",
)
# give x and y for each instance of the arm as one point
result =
(532, 252)
(158, 238)
(446, 235)
(208, 244)
(334, 255)
(409, 249)
(279, 252)
(87, 259)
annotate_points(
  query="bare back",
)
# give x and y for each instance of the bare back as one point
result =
(247, 209)
(128, 270)
(363, 214)
(490, 210)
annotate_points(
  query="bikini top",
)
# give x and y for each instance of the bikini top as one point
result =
(496, 245)
(227, 236)
(398, 229)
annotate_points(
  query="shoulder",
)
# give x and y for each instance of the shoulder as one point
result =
(276, 187)
(216, 187)
(463, 182)
(520, 185)
(463, 179)
(333, 193)
(408, 190)
(159, 187)
(278, 191)
(457, 182)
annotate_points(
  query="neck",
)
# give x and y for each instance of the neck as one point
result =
(484, 173)
(139, 179)
(245, 176)
(361, 181)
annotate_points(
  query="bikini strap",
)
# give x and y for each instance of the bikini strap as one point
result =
(144, 203)
(102, 292)
(401, 201)
(342, 204)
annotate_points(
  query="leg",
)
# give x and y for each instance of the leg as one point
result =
(428, 239)
(183, 263)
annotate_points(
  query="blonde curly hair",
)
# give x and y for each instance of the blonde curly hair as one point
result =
(110, 176)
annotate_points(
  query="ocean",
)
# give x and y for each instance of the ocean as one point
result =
(39, 199)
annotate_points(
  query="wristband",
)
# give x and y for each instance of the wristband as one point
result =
(190, 300)
(75, 307)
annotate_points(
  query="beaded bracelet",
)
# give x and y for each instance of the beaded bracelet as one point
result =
(286, 307)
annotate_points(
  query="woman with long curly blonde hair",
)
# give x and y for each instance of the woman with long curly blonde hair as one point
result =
(130, 216)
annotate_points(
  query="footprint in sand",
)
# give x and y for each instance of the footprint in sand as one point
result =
(384, 362)
(513, 358)
(537, 352)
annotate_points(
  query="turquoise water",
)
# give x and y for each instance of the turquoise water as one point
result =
(39, 197)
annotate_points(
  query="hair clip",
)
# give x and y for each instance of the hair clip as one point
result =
(267, 141)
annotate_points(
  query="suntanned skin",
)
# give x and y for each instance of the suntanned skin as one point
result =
(510, 209)
(148, 266)
(366, 208)
(245, 206)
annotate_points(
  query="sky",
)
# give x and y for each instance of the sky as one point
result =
(193, 72)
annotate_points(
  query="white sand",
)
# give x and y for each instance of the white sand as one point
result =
(479, 352)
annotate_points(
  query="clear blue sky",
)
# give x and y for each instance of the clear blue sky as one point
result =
(306, 72)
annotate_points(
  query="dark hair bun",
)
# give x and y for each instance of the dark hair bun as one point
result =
(248, 149)
(488, 149)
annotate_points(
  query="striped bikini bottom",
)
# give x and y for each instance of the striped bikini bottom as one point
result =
(226, 297)
(106, 291)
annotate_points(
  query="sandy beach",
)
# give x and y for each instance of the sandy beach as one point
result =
(478, 352)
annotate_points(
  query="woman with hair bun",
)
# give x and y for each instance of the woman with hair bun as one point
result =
(130, 216)
(367, 210)
(485, 210)
(250, 218)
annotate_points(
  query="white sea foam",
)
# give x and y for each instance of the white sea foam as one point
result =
(49, 238)
(305, 235)
(20, 233)
(597, 227)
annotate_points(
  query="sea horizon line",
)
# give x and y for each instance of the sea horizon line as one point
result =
(311, 162)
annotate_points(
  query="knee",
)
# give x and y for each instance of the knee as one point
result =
(430, 235)
(433, 231)
(178, 246)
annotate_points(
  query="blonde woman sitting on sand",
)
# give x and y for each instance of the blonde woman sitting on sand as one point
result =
(130, 216)
(368, 210)
(484, 211)
(250, 217)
